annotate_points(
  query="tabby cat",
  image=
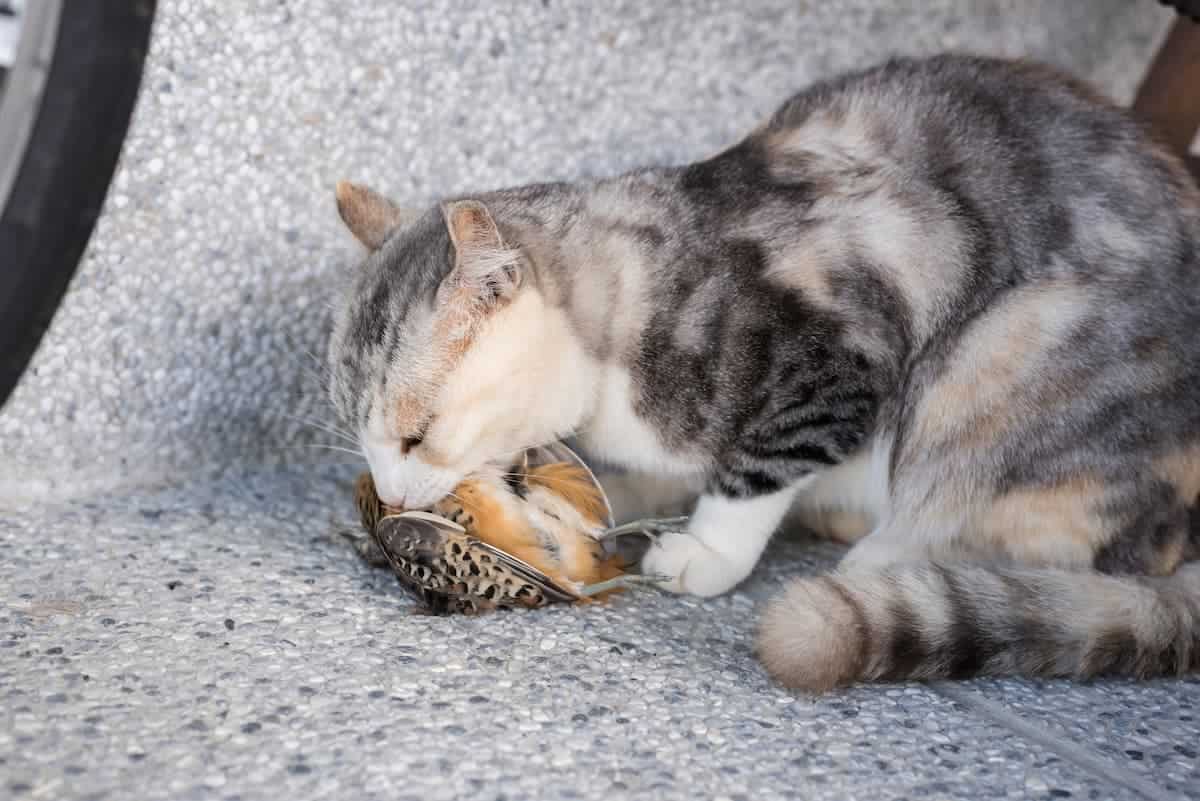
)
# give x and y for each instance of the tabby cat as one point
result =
(945, 309)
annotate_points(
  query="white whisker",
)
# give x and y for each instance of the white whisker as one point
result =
(541, 479)
(328, 428)
(331, 448)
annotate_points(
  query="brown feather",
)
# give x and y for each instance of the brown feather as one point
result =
(574, 485)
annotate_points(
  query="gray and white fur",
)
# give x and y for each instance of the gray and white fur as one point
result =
(945, 309)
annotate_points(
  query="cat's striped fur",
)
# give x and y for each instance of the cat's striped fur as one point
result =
(927, 621)
(947, 309)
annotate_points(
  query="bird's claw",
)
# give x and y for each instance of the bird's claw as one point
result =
(622, 582)
(630, 542)
(652, 527)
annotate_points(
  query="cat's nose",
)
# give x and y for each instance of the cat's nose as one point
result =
(402, 489)
(388, 473)
(390, 491)
(407, 482)
(393, 499)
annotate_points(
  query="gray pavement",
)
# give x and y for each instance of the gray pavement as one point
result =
(177, 617)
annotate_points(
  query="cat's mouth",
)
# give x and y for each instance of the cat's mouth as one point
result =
(408, 485)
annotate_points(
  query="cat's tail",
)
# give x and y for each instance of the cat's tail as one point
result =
(928, 621)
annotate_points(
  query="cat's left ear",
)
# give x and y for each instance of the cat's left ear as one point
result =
(369, 215)
(482, 260)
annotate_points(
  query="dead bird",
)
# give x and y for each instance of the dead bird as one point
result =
(538, 533)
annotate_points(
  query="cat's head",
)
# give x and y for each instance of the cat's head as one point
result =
(445, 355)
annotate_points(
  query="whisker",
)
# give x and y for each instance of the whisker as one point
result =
(320, 379)
(338, 434)
(541, 479)
(329, 447)
(321, 376)
(328, 425)
(317, 360)
(319, 369)
(328, 428)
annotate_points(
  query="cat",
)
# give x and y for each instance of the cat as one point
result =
(943, 309)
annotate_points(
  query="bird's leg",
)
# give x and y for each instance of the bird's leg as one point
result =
(631, 541)
(620, 583)
(651, 527)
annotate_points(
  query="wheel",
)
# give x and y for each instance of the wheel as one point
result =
(1185, 8)
(69, 76)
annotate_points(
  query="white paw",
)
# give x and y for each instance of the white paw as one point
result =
(692, 567)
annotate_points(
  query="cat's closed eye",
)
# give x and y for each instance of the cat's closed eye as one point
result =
(414, 439)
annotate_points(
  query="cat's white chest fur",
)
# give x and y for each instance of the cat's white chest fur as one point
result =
(616, 434)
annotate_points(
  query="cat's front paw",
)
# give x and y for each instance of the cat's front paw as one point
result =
(692, 567)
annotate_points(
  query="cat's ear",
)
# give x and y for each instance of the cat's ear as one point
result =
(369, 215)
(482, 260)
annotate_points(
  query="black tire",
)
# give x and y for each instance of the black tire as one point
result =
(60, 186)
(1185, 8)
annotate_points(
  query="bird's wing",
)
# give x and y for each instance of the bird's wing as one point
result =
(528, 573)
(416, 545)
(409, 542)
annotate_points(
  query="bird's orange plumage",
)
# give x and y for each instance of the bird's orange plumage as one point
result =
(550, 519)
(497, 515)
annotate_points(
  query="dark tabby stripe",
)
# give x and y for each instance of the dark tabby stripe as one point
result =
(958, 621)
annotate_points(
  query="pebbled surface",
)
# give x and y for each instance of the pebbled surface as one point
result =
(1150, 730)
(222, 642)
(177, 618)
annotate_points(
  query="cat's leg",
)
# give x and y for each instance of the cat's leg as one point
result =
(636, 495)
(1131, 525)
(846, 526)
(724, 539)
(844, 503)
(890, 543)
(726, 536)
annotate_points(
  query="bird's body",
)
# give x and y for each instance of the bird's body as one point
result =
(528, 537)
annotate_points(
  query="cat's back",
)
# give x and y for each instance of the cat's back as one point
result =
(1047, 176)
(950, 111)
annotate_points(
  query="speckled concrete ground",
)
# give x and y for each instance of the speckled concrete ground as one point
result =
(222, 642)
(177, 619)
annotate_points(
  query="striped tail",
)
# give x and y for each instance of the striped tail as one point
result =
(929, 621)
